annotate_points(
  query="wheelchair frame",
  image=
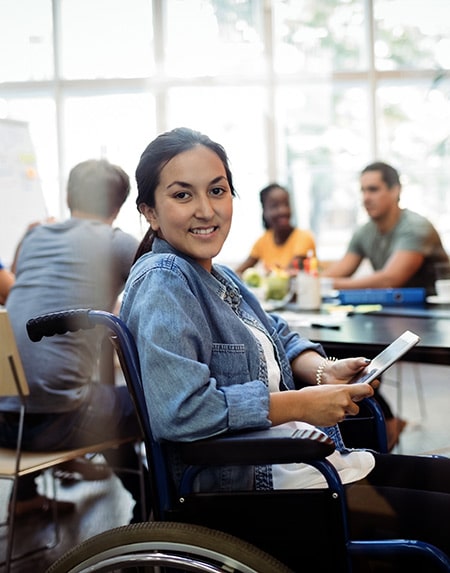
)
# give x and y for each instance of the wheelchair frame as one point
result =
(230, 514)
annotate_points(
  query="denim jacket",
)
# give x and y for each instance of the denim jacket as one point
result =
(203, 370)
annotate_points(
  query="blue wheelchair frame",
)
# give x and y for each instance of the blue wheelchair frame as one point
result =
(231, 512)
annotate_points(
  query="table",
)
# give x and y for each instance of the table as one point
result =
(367, 334)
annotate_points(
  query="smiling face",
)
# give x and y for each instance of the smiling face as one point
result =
(193, 204)
(277, 210)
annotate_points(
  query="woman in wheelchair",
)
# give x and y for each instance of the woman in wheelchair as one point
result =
(214, 361)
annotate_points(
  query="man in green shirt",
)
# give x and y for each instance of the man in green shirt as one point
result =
(402, 246)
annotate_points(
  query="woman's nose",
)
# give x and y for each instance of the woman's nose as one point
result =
(204, 208)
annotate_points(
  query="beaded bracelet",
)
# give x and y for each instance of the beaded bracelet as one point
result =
(321, 368)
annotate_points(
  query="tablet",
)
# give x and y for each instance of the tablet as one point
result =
(387, 357)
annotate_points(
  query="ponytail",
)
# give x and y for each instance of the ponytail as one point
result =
(145, 245)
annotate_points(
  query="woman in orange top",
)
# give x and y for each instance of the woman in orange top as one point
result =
(282, 243)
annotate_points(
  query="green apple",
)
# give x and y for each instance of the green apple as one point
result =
(252, 277)
(277, 284)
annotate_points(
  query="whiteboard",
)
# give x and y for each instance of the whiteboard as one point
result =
(21, 197)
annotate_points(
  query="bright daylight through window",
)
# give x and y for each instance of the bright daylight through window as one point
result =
(305, 92)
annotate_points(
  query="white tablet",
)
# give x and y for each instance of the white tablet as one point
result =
(387, 357)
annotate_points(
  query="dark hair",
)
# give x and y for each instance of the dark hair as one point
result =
(156, 155)
(388, 174)
(263, 196)
(98, 187)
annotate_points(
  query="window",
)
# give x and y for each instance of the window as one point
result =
(26, 43)
(304, 92)
(106, 39)
(411, 34)
(207, 38)
(318, 37)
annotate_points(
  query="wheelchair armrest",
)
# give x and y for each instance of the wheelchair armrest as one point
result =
(271, 446)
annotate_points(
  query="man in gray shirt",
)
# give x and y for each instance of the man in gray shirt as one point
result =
(82, 262)
(402, 246)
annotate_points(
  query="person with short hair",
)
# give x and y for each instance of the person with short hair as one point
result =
(402, 246)
(82, 262)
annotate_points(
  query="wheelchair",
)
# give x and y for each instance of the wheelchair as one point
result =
(237, 531)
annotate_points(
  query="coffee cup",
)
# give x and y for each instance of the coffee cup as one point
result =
(442, 271)
(326, 287)
(442, 287)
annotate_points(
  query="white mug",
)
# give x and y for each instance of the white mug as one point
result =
(308, 291)
(442, 287)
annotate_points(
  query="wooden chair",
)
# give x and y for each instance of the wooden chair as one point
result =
(15, 463)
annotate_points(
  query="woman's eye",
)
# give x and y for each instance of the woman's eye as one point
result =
(217, 191)
(181, 195)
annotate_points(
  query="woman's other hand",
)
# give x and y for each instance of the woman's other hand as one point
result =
(321, 405)
(345, 370)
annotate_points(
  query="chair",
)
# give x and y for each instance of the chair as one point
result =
(266, 520)
(398, 379)
(15, 463)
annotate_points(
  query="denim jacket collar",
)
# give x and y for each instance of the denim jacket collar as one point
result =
(223, 286)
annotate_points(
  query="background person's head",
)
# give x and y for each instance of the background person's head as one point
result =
(388, 173)
(97, 188)
(276, 207)
(380, 187)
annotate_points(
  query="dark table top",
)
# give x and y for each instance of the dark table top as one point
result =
(367, 334)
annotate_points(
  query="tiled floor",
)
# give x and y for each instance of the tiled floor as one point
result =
(429, 431)
(100, 506)
(104, 505)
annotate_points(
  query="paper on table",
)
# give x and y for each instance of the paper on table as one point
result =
(334, 316)
(351, 308)
(307, 319)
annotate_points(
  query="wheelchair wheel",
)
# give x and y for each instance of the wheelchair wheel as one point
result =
(166, 546)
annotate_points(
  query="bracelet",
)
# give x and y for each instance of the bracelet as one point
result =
(321, 368)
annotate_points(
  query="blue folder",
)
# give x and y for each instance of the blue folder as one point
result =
(383, 296)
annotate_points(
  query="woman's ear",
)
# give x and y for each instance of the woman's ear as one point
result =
(150, 215)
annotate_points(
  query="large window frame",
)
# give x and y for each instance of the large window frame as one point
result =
(272, 161)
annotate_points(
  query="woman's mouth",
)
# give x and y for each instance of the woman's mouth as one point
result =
(206, 231)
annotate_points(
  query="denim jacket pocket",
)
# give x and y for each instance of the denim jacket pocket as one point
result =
(229, 364)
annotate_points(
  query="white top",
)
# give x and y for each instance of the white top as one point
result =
(351, 466)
